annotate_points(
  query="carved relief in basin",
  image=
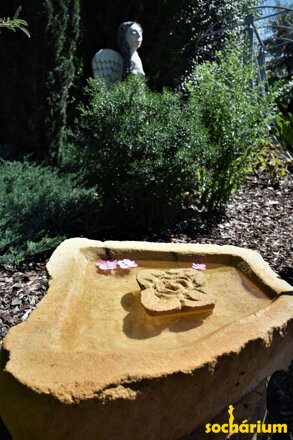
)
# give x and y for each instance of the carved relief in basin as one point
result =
(174, 290)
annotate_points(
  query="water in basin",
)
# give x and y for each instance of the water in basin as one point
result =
(106, 315)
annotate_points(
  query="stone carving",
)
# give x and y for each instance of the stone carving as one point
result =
(114, 66)
(174, 290)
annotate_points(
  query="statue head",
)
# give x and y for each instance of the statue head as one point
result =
(129, 39)
(134, 36)
(129, 36)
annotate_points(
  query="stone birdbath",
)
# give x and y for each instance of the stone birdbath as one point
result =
(148, 350)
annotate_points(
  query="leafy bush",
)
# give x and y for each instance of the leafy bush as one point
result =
(141, 148)
(39, 208)
(236, 117)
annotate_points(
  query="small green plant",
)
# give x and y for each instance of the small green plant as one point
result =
(272, 161)
(283, 130)
(15, 23)
(39, 208)
(142, 150)
(236, 117)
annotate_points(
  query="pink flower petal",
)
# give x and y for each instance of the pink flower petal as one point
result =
(123, 266)
(126, 263)
(199, 266)
(107, 265)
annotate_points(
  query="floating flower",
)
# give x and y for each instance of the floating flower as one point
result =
(199, 266)
(107, 265)
(126, 264)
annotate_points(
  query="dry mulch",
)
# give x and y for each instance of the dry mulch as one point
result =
(258, 217)
(21, 288)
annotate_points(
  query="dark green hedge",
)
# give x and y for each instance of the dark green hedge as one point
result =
(39, 208)
(36, 75)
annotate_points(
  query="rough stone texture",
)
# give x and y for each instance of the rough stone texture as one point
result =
(174, 290)
(55, 383)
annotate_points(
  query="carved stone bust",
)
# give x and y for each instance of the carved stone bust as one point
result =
(114, 66)
(174, 290)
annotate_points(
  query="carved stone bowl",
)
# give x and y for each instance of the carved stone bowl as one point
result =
(91, 363)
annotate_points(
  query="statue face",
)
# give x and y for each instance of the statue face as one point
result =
(134, 36)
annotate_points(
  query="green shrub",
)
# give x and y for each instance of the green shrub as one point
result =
(236, 117)
(39, 208)
(142, 149)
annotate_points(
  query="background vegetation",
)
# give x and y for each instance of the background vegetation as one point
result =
(129, 158)
(137, 145)
(36, 75)
(281, 61)
(39, 208)
(141, 148)
(65, 34)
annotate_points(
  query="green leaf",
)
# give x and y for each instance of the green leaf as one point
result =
(17, 12)
(25, 31)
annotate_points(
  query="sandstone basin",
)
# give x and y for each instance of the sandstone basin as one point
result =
(91, 363)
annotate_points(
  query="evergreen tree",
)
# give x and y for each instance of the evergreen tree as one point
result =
(36, 75)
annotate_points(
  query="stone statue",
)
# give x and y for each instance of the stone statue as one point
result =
(114, 66)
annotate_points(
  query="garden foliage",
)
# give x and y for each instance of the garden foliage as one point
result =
(146, 151)
(172, 30)
(280, 44)
(39, 208)
(37, 74)
(140, 148)
(283, 130)
(15, 23)
(236, 116)
(43, 75)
